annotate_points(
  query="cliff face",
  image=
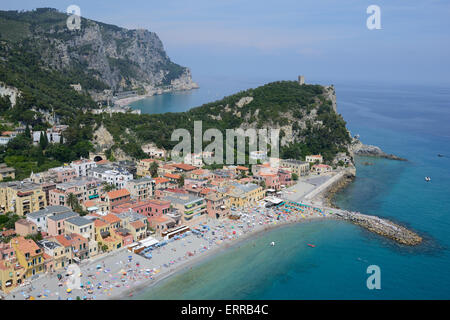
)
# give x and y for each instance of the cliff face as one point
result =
(120, 58)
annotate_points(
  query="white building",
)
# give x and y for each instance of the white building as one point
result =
(54, 134)
(258, 155)
(314, 158)
(82, 166)
(154, 152)
(116, 177)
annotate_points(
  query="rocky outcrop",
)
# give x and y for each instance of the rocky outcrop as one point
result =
(103, 140)
(360, 149)
(382, 227)
(11, 92)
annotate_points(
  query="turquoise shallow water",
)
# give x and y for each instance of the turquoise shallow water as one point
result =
(411, 122)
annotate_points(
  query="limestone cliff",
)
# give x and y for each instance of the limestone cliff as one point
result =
(121, 59)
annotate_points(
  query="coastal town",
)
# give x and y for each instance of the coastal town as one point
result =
(94, 209)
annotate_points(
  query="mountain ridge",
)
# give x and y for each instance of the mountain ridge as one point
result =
(112, 58)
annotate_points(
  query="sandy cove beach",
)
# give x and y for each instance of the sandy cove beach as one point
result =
(126, 101)
(122, 274)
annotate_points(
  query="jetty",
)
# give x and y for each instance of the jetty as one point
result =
(322, 189)
(380, 226)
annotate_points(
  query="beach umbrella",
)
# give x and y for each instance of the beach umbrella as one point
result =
(69, 290)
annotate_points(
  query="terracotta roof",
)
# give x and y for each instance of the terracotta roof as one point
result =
(137, 224)
(148, 160)
(172, 175)
(47, 257)
(8, 233)
(158, 219)
(184, 166)
(241, 168)
(118, 193)
(68, 240)
(266, 174)
(206, 190)
(111, 218)
(102, 162)
(26, 245)
(199, 171)
(99, 223)
(90, 203)
(322, 166)
(159, 180)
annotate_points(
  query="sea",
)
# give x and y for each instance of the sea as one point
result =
(411, 121)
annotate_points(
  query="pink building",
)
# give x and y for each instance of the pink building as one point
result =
(272, 180)
(7, 252)
(116, 198)
(55, 224)
(63, 174)
(83, 188)
(215, 205)
(285, 178)
(24, 227)
(149, 208)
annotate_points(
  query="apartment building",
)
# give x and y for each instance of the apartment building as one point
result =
(21, 197)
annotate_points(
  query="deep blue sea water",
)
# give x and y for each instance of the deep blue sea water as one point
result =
(410, 121)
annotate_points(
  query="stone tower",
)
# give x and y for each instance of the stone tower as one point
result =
(301, 80)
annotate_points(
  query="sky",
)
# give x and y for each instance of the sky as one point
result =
(325, 40)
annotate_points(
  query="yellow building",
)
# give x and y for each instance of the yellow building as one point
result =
(6, 172)
(143, 167)
(21, 197)
(242, 195)
(10, 275)
(29, 256)
(81, 226)
(105, 234)
(60, 255)
(300, 168)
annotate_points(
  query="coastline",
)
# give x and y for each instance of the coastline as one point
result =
(126, 101)
(210, 254)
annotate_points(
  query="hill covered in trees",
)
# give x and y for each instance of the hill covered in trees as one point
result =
(304, 114)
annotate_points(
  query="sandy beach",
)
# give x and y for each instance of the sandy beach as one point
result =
(120, 275)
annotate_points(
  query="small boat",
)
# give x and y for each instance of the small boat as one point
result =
(272, 243)
(311, 245)
(427, 179)
(440, 155)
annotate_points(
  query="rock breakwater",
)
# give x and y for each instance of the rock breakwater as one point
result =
(382, 227)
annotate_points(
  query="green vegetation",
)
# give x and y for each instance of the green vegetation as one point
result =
(154, 169)
(8, 220)
(35, 237)
(273, 100)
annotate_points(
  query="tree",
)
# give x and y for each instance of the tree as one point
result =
(43, 140)
(27, 132)
(294, 176)
(108, 187)
(72, 200)
(154, 169)
(181, 181)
